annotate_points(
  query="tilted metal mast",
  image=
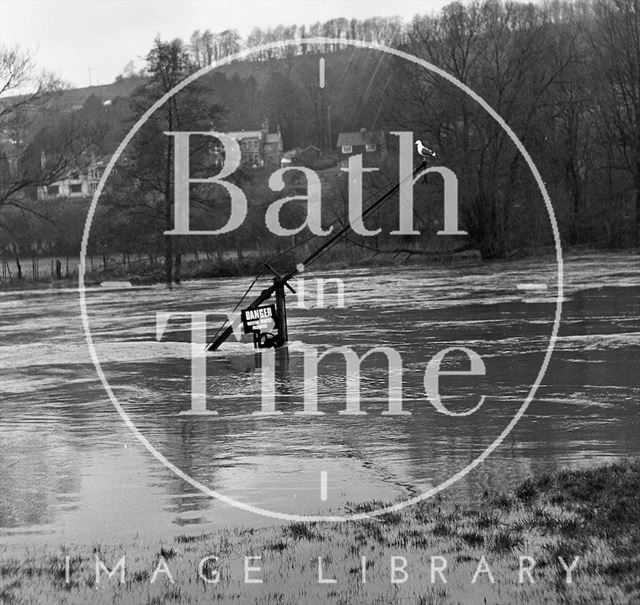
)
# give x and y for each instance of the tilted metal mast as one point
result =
(280, 282)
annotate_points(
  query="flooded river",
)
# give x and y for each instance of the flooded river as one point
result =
(71, 470)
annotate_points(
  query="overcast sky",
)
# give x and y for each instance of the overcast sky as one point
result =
(82, 39)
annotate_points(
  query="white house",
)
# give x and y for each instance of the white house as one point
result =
(81, 182)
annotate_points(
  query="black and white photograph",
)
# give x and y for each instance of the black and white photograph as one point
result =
(319, 301)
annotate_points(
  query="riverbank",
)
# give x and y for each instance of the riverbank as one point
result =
(575, 534)
(212, 269)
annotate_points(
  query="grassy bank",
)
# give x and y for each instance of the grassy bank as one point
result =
(145, 273)
(591, 514)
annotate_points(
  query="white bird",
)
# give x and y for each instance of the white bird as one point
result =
(424, 151)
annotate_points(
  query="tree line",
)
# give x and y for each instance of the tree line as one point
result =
(564, 76)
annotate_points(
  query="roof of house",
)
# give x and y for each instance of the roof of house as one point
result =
(246, 134)
(273, 137)
(363, 137)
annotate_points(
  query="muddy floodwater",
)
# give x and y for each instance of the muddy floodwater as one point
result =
(72, 470)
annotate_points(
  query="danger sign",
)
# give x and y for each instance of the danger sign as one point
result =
(260, 319)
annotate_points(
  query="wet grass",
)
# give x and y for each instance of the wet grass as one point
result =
(593, 514)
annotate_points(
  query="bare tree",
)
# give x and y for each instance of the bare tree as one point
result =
(616, 41)
(35, 150)
(147, 171)
(508, 54)
(25, 95)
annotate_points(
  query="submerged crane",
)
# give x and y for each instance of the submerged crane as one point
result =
(278, 312)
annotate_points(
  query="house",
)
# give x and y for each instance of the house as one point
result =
(370, 143)
(309, 155)
(8, 156)
(250, 142)
(259, 147)
(272, 148)
(289, 157)
(80, 182)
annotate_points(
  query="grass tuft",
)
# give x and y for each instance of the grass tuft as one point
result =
(167, 553)
(301, 531)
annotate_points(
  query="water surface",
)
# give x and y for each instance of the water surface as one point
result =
(71, 470)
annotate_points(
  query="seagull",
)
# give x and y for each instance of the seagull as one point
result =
(424, 151)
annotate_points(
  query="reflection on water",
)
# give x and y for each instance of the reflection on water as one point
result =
(70, 468)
